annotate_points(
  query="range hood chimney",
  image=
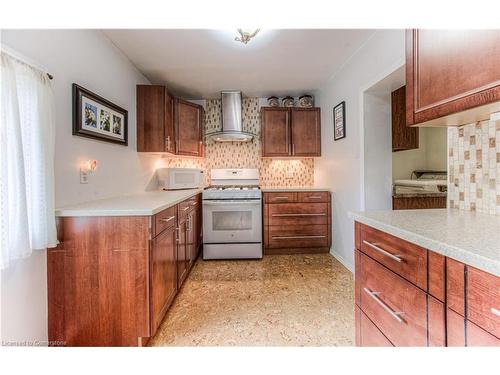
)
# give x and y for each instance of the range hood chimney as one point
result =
(232, 126)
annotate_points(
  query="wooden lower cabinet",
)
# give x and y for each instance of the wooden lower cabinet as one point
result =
(417, 203)
(297, 222)
(429, 300)
(111, 280)
(182, 251)
(97, 281)
(163, 284)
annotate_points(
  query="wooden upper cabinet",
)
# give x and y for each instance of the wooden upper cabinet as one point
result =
(306, 131)
(188, 118)
(155, 128)
(453, 74)
(275, 132)
(403, 137)
(291, 132)
(168, 124)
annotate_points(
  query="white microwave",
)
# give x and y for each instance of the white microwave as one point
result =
(179, 178)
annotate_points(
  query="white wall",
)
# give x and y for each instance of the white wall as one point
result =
(341, 166)
(88, 58)
(377, 151)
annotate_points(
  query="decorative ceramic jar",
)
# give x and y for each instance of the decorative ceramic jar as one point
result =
(273, 101)
(288, 101)
(306, 101)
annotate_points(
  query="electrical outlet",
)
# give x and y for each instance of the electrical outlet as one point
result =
(84, 176)
(289, 174)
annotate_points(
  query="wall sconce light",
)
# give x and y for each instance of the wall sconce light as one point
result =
(87, 167)
(245, 35)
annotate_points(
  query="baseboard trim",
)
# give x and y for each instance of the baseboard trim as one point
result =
(345, 263)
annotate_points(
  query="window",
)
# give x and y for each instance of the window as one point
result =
(27, 137)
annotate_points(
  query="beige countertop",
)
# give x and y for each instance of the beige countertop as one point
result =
(470, 237)
(143, 204)
(270, 189)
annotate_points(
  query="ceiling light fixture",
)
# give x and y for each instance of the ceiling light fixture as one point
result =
(246, 35)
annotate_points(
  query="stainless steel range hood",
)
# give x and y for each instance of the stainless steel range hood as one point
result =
(232, 126)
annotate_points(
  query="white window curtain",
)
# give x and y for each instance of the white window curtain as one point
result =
(27, 140)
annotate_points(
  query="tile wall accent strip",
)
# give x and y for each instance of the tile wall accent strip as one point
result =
(474, 167)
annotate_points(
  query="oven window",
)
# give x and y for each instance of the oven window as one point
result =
(231, 220)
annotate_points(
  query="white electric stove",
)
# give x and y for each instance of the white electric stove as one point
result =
(232, 215)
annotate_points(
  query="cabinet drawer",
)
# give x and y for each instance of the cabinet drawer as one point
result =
(455, 286)
(186, 206)
(405, 259)
(370, 335)
(483, 300)
(455, 328)
(476, 336)
(313, 196)
(284, 197)
(292, 236)
(436, 322)
(298, 214)
(164, 219)
(398, 308)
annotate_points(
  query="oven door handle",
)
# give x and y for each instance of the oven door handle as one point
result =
(253, 202)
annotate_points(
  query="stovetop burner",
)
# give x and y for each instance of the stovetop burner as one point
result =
(227, 184)
(232, 187)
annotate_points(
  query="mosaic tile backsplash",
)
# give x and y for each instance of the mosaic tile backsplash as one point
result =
(474, 167)
(245, 155)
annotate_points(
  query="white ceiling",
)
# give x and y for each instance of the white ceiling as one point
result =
(200, 63)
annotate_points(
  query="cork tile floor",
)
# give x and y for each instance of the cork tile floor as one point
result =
(281, 300)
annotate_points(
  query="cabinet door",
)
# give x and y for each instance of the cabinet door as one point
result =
(403, 137)
(188, 128)
(190, 239)
(182, 256)
(275, 132)
(151, 118)
(196, 232)
(449, 71)
(306, 131)
(163, 275)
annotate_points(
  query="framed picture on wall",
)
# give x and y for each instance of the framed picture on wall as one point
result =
(97, 118)
(339, 121)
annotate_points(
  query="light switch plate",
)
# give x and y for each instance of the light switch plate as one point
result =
(495, 116)
(84, 177)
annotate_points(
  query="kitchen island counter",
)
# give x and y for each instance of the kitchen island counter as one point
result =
(472, 238)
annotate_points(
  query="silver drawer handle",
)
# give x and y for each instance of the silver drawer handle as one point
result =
(167, 220)
(382, 251)
(186, 208)
(295, 237)
(315, 197)
(394, 314)
(495, 311)
(292, 215)
(281, 198)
